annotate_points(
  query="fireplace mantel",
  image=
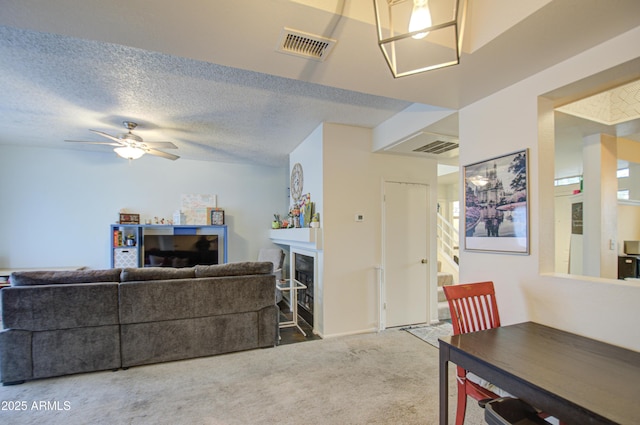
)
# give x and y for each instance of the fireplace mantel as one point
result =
(305, 237)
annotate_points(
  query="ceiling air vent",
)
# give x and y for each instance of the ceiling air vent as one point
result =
(305, 45)
(438, 147)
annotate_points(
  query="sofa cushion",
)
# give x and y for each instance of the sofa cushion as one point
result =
(64, 277)
(67, 351)
(48, 307)
(154, 342)
(161, 300)
(156, 273)
(235, 269)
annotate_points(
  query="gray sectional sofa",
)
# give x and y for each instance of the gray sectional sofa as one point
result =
(59, 323)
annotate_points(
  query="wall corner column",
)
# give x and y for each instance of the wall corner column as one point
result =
(600, 255)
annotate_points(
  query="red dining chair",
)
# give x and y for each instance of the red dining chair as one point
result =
(473, 308)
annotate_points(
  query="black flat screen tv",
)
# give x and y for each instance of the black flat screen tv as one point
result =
(180, 250)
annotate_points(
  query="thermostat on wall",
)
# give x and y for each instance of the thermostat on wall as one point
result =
(359, 217)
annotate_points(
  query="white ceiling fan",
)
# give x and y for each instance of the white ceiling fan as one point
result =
(131, 146)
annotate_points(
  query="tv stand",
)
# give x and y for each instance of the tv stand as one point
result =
(127, 241)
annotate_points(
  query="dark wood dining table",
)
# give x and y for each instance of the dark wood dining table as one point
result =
(575, 379)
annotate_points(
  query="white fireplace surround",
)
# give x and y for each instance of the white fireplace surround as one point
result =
(304, 237)
(303, 241)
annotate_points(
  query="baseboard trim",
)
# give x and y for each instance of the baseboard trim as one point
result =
(358, 332)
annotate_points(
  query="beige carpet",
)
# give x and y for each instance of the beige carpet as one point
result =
(385, 378)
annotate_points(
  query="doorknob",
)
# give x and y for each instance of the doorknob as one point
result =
(424, 261)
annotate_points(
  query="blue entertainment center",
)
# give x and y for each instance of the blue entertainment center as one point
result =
(153, 245)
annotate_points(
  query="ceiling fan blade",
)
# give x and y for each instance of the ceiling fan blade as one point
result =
(162, 154)
(94, 143)
(161, 145)
(108, 136)
(132, 141)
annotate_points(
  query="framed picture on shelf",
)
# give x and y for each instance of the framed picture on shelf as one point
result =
(496, 204)
(217, 217)
(126, 218)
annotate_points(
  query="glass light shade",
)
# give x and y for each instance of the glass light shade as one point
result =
(420, 18)
(129, 152)
(410, 47)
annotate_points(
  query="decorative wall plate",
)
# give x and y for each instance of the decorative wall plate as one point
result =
(297, 181)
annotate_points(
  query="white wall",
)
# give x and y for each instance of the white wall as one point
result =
(309, 155)
(345, 178)
(353, 178)
(58, 204)
(526, 287)
(564, 199)
(628, 225)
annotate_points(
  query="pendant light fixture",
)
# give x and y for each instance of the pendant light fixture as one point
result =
(419, 35)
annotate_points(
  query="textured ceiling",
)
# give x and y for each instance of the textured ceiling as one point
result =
(206, 76)
(61, 87)
(615, 106)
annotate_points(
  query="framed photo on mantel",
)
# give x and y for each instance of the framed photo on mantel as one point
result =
(216, 217)
(126, 218)
(496, 204)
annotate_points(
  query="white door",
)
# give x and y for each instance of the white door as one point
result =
(406, 271)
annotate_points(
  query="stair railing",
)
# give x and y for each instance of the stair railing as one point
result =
(448, 238)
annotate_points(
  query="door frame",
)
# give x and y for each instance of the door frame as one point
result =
(432, 253)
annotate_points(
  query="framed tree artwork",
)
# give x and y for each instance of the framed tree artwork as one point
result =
(496, 204)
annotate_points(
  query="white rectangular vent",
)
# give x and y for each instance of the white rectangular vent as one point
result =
(305, 45)
(438, 147)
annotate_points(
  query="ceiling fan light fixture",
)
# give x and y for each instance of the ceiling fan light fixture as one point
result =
(129, 152)
(130, 146)
(417, 36)
(130, 137)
